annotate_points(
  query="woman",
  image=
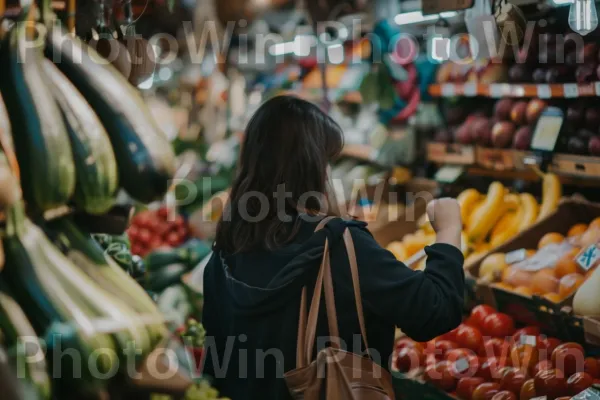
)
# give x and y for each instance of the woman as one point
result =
(266, 251)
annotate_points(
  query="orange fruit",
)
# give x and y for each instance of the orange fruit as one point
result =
(553, 297)
(503, 286)
(530, 253)
(591, 236)
(523, 291)
(570, 283)
(595, 224)
(577, 229)
(566, 265)
(549, 238)
(544, 281)
(517, 277)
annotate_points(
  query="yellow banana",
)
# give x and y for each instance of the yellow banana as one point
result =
(530, 210)
(512, 201)
(467, 200)
(486, 216)
(551, 194)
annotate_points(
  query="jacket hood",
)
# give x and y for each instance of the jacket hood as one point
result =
(295, 265)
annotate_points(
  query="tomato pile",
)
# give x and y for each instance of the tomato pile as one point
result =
(152, 229)
(487, 358)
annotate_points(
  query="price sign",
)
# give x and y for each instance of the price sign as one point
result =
(547, 129)
(571, 90)
(540, 398)
(448, 90)
(449, 173)
(544, 91)
(588, 394)
(587, 258)
(470, 89)
(597, 85)
(461, 365)
(515, 256)
(529, 340)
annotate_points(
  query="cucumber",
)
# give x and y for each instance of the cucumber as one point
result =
(144, 156)
(37, 127)
(96, 167)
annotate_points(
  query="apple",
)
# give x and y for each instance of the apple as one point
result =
(409, 358)
(535, 108)
(466, 387)
(440, 376)
(558, 73)
(585, 73)
(505, 395)
(463, 134)
(481, 131)
(576, 146)
(518, 114)
(522, 138)
(502, 109)
(443, 136)
(589, 53)
(568, 358)
(519, 73)
(575, 115)
(592, 118)
(594, 146)
(513, 380)
(502, 134)
(485, 391)
(585, 134)
(539, 75)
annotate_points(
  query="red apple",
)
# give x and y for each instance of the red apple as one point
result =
(485, 391)
(518, 114)
(589, 53)
(502, 109)
(463, 134)
(522, 139)
(594, 146)
(592, 367)
(585, 73)
(568, 358)
(440, 376)
(481, 131)
(505, 395)
(535, 108)
(502, 134)
(513, 380)
(539, 75)
(550, 383)
(519, 73)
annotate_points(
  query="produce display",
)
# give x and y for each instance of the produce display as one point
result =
(152, 229)
(488, 357)
(489, 220)
(551, 271)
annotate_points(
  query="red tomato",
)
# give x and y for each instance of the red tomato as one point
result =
(485, 391)
(451, 336)
(173, 239)
(479, 313)
(527, 331)
(439, 348)
(142, 218)
(498, 325)
(464, 367)
(136, 249)
(162, 212)
(490, 368)
(144, 236)
(523, 357)
(469, 337)
(592, 367)
(153, 223)
(527, 391)
(550, 383)
(179, 221)
(495, 347)
(466, 386)
(409, 358)
(569, 358)
(133, 232)
(504, 395)
(578, 382)
(155, 243)
(546, 346)
(541, 366)
(406, 342)
(440, 376)
(513, 380)
(457, 354)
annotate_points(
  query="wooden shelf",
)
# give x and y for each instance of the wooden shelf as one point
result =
(498, 90)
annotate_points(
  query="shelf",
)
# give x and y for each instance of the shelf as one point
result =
(453, 153)
(498, 90)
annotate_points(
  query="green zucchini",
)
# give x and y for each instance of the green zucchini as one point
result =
(144, 156)
(39, 133)
(96, 167)
(15, 326)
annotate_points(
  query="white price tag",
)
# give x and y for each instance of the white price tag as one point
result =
(495, 90)
(587, 394)
(449, 173)
(571, 90)
(515, 256)
(597, 86)
(588, 257)
(540, 398)
(470, 89)
(544, 91)
(461, 365)
(529, 340)
(448, 90)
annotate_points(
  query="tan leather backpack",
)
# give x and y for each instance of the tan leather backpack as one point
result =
(335, 374)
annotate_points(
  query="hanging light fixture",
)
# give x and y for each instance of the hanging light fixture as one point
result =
(583, 17)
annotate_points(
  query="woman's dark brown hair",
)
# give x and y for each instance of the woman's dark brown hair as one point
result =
(287, 147)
